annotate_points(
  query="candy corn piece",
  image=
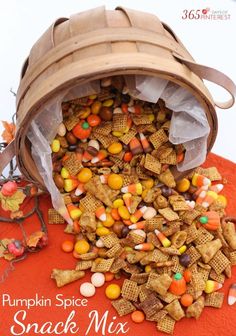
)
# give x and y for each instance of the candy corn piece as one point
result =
(191, 204)
(139, 225)
(199, 190)
(211, 196)
(216, 188)
(94, 144)
(79, 154)
(135, 146)
(134, 189)
(86, 157)
(74, 212)
(80, 189)
(129, 124)
(146, 145)
(101, 214)
(70, 184)
(127, 222)
(201, 197)
(212, 286)
(127, 197)
(232, 294)
(200, 180)
(137, 109)
(104, 178)
(138, 214)
(102, 154)
(165, 241)
(144, 247)
(64, 173)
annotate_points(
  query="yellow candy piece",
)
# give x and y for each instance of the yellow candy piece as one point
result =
(113, 291)
(115, 181)
(183, 185)
(65, 173)
(115, 148)
(85, 175)
(96, 106)
(108, 102)
(84, 113)
(133, 219)
(148, 269)
(151, 117)
(118, 203)
(127, 129)
(139, 189)
(128, 249)
(75, 213)
(55, 146)
(93, 96)
(148, 184)
(144, 193)
(81, 246)
(99, 224)
(98, 260)
(123, 212)
(117, 134)
(182, 249)
(102, 231)
(222, 200)
(109, 221)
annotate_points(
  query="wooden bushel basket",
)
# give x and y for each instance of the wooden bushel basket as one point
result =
(100, 43)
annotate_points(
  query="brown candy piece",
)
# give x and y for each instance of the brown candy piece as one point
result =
(57, 165)
(71, 138)
(92, 151)
(125, 231)
(59, 181)
(117, 229)
(166, 191)
(105, 113)
(184, 260)
(74, 198)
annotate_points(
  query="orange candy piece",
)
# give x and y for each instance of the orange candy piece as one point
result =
(67, 246)
(187, 275)
(109, 276)
(186, 300)
(137, 316)
(178, 285)
(180, 157)
(115, 215)
(76, 226)
(94, 120)
(82, 130)
(128, 157)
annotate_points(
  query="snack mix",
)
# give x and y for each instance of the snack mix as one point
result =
(115, 168)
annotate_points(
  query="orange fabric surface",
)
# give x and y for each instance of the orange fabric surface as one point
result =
(32, 276)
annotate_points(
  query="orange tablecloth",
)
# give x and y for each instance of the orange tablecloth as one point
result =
(32, 276)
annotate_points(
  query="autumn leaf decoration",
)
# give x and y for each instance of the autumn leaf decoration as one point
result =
(11, 198)
(37, 238)
(9, 131)
(13, 202)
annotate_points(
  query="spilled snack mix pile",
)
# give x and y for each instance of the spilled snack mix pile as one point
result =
(113, 163)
